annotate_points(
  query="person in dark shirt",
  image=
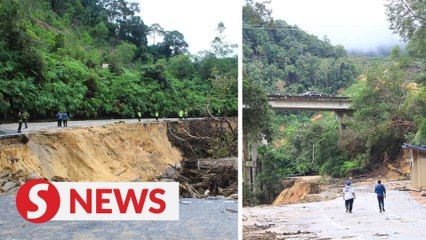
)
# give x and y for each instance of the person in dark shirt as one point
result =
(65, 119)
(59, 119)
(380, 190)
(20, 121)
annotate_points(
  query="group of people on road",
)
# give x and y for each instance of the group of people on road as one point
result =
(139, 115)
(62, 118)
(182, 115)
(23, 119)
(24, 116)
(349, 195)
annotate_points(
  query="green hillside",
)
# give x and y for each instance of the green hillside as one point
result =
(91, 59)
(388, 95)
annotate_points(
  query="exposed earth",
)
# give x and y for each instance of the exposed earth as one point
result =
(11, 128)
(197, 153)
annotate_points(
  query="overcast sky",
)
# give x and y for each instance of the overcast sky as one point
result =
(196, 19)
(355, 24)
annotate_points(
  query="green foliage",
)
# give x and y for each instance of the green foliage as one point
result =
(389, 97)
(52, 55)
(285, 59)
(257, 115)
(406, 17)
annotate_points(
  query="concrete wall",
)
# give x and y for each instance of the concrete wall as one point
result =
(418, 169)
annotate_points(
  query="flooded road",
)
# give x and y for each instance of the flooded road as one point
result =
(404, 219)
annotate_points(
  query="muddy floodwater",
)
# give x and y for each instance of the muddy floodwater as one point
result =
(404, 219)
(199, 219)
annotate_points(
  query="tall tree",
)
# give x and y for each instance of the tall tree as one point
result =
(407, 17)
(219, 44)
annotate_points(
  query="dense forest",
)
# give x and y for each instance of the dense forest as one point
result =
(92, 59)
(388, 95)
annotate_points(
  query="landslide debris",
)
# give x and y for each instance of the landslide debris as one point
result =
(209, 150)
(115, 152)
(200, 154)
(299, 190)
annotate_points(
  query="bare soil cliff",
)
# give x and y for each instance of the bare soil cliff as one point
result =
(116, 152)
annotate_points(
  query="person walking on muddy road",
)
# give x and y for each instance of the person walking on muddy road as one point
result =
(59, 119)
(348, 196)
(380, 190)
(25, 118)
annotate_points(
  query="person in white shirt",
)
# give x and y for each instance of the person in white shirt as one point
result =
(348, 196)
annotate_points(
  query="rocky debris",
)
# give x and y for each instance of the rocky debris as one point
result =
(260, 232)
(60, 179)
(209, 139)
(232, 197)
(10, 181)
(205, 180)
(33, 175)
(381, 235)
(9, 185)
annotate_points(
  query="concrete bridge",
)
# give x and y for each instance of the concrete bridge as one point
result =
(309, 103)
(305, 102)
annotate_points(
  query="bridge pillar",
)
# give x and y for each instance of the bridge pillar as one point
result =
(339, 115)
(250, 164)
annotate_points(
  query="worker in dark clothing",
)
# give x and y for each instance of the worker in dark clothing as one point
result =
(380, 190)
(20, 120)
(25, 117)
(65, 119)
(59, 119)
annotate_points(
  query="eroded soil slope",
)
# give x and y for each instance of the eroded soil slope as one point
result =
(115, 152)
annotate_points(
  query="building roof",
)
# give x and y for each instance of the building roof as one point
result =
(418, 148)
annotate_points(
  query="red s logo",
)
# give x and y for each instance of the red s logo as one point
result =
(38, 201)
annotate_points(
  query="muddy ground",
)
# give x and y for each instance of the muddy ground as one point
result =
(403, 219)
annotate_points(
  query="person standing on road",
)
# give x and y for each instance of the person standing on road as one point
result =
(25, 117)
(59, 119)
(181, 114)
(156, 115)
(348, 196)
(139, 115)
(65, 119)
(380, 190)
(20, 120)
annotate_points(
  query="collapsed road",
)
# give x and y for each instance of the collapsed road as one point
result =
(11, 128)
(404, 218)
(198, 153)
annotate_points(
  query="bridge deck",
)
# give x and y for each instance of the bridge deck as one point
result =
(309, 102)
